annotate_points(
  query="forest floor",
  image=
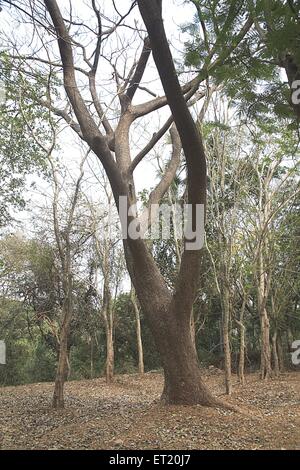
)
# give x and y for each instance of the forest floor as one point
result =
(127, 415)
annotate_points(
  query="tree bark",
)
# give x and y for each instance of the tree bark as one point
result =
(193, 329)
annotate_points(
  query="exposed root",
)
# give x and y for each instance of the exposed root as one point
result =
(236, 409)
(214, 402)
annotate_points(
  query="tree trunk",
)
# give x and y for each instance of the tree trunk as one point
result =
(241, 371)
(262, 294)
(226, 340)
(63, 360)
(275, 354)
(108, 317)
(170, 324)
(138, 333)
(183, 383)
(91, 358)
(62, 368)
(242, 328)
(241, 368)
(110, 357)
(265, 368)
(109, 370)
(280, 353)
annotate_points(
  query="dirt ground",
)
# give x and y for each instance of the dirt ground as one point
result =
(127, 415)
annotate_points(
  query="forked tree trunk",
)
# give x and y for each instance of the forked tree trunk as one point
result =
(139, 341)
(170, 325)
(183, 383)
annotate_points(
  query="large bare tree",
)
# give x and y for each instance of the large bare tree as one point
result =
(168, 313)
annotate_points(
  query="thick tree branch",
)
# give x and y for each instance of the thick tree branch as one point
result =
(88, 126)
(146, 108)
(191, 143)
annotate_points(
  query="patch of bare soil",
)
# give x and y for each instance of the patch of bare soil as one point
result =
(127, 415)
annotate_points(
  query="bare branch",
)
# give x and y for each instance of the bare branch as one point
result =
(140, 69)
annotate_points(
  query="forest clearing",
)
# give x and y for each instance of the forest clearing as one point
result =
(127, 415)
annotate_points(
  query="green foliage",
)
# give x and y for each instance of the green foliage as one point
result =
(251, 74)
(24, 125)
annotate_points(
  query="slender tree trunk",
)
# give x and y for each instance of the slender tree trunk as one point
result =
(62, 368)
(91, 358)
(68, 373)
(275, 354)
(63, 360)
(138, 333)
(242, 329)
(58, 396)
(110, 357)
(241, 371)
(280, 353)
(108, 317)
(265, 362)
(109, 369)
(226, 340)
(265, 368)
